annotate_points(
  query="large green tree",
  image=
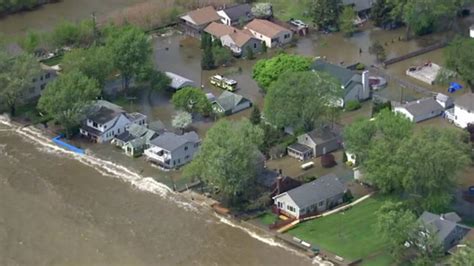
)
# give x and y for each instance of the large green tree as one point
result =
(131, 50)
(325, 13)
(30, 41)
(192, 100)
(301, 100)
(94, 62)
(66, 99)
(395, 224)
(67, 33)
(380, 13)
(346, 21)
(358, 138)
(459, 56)
(227, 158)
(16, 75)
(267, 71)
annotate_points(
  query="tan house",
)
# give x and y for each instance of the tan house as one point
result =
(272, 34)
(238, 41)
(218, 30)
(194, 22)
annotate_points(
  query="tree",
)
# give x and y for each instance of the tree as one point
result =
(463, 256)
(227, 158)
(66, 98)
(301, 100)
(182, 120)
(427, 246)
(93, 62)
(459, 56)
(326, 13)
(346, 21)
(192, 100)
(396, 225)
(16, 76)
(221, 55)
(358, 137)
(206, 40)
(378, 50)
(380, 13)
(30, 42)
(262, 10)
(207, 61)
(267, 71)
(131, 50)
(255, 116)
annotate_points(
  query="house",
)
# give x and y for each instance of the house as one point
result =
(356, 86)
(315, 143)
(170, 150)
(311, 198)
(179, 82)
(446, 227)
(463, 112)
(236, 14)
(423, 109)
(194, 22)
(230, 103)
(362, 7)
(38, 83)
(218, 30)
(471, 31)
(135, 139)
(106, 120)
(271, 34)
(240, 43)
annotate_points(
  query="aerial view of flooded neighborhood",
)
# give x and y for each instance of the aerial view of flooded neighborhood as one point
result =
(237, 132)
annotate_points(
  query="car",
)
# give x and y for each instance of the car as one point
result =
(298, 23)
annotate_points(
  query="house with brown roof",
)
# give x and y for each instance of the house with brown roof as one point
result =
(238, 41)
(194, 22)
(272, 34)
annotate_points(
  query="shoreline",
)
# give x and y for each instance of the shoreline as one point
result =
(188, 199)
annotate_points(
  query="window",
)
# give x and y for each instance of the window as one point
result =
(94, 124)
(48, 75)
(187, 157)
(42, 86)
(185, 148)
(118, 130)
(321, 203)
(255, 45)
(280, 205)
(41, 78)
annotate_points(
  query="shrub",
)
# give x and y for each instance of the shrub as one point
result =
(352, 105)
(344, 157)
(377, 107)
(328, 161)
(308, 179)
(360, 66)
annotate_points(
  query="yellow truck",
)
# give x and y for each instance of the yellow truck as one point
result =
(224, 83)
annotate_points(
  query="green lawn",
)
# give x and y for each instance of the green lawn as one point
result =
(350, 234)
(268, 218)
(383, 259)
(297, 9)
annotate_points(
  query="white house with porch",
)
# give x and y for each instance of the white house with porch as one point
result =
(463, 112)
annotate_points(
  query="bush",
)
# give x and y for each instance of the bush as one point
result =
(344, 157)
(377, 107)
(352, 105)
(328, 160)
(360, 66)
(308, 179)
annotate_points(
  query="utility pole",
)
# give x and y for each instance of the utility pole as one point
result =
(94, 27)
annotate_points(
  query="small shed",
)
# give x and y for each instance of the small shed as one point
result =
(179, 82)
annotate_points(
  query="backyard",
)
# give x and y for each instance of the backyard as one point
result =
(350, 234)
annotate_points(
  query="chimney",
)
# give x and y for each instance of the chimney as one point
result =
(278, 181)
(365, 85)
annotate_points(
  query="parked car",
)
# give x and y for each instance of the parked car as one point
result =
(224, 83)
(298, 23)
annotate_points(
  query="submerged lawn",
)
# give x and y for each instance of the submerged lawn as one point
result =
(268, 218)
(350, 234)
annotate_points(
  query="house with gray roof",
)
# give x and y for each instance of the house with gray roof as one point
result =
(463, 112)
(135, 139)
(236, 14)
(179, 82)
(230, 103)
(311, 198)
(360, 6)
(423, 109)
(446, 227)
(355, 86)
(318, 142)
(170, 150)
(105, 120)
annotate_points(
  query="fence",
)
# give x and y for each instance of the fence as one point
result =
(415, 53)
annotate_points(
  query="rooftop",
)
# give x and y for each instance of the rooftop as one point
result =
(318, 190)
(240, 38)
(265, 27)
(171, 141)
(238, 11)
(218, 29)
(202, 16)
(422, 106)
(178, 82)
(321, 135)
(228, 100)
(343, 74)
(103, 115)
(359, 5)
(442, 224)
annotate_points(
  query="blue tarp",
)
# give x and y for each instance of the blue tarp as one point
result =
(454, 86)
(68, 146)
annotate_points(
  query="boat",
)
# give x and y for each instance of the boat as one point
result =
(224, 83)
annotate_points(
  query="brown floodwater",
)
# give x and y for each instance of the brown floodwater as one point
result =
(60, 209)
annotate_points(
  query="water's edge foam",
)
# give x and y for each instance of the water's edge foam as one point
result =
(147, 184)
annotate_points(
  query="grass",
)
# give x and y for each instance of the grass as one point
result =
(268, 218)
(297, 9)
(383, 259)
(350, 234)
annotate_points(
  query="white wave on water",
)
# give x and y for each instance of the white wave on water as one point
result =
(267, 240)
(148, 184)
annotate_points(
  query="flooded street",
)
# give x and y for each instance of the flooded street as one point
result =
(56, 209)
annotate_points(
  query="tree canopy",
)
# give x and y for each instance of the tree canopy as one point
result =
(182, 120)
(459, 56)
(192, 100)
(227, 158)
(267, 71)
(16, 76)
(346, 20)
(325, 13)
(66, 98)
(301, 100)
(358, 137)
(93, 62)
(131, 50)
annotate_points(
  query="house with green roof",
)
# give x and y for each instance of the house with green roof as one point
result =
(356, 86)
(135, 139)
(230, 103)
